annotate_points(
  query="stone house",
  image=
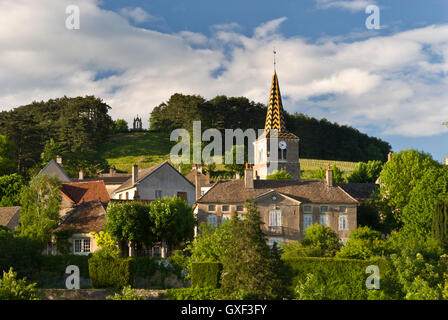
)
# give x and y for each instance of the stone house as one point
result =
(156, 182)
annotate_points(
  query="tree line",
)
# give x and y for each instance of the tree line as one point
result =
(319, 139)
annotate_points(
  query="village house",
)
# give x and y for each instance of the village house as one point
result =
(289, 206)
(10, 217)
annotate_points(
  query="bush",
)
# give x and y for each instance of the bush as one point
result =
(330, 278)
(12, 288)
(126, 294)
(364, 243)
(193, 294)
(108, 272)
(205, 274)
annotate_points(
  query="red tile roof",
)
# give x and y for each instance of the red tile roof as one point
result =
(80, 192)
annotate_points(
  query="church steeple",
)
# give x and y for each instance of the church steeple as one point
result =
(275, 118)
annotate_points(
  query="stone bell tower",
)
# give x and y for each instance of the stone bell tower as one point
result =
(276, 148)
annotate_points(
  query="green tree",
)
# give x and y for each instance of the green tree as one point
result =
(7, 158)
(323, 238)
(440, 223)
(417, 216)
(278, 175)
(130, 221)
(234, 166)
(50, 152)
(173, 220)
(40, 207)
(120, 126)
(338, 174)
(12, 288)
(251, 269)
(364, 243)
(366, 172)
(400, 175)
(10, 189)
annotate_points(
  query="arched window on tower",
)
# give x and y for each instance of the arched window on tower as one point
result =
(281, 154)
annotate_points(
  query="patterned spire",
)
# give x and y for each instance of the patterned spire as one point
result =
(275, 118)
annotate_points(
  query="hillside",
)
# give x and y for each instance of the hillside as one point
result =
(149, 148)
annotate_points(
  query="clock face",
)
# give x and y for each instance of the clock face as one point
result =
(282, 145)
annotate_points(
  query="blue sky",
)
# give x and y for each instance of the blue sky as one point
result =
(390, 83)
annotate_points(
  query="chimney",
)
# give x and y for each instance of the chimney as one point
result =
(329, 176)
(81, 175)
(59, 160)
(134, 174)
(249, 177)
(197, 180)
(112, 171)
(389, 156)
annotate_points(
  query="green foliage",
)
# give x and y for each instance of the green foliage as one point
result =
(364, 243)
(10, 189)
(126, 294)
(323, 238)
(50, 152)
(251, 269)
(193, 294)
(205, 274)
(120, 126)
(107, 244)
(109, 272)
(366, 172)
(440, 223)
(338, 174)
(278, 175)
(173, 220)
(40, 207)
(399, 177)
(234, 166)
(368, 214)
(328, 278)
(417, 216)
(12, 288)
(130, 221)
(7, 158)
(62, 243)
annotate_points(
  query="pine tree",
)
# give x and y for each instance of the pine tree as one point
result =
(251, 269)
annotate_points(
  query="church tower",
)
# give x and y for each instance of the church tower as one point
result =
(276, 148)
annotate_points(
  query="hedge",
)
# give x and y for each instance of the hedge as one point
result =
(343, 279)
(205, 274)
(108, 272)
(193, 294)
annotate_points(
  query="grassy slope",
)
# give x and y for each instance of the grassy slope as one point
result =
(149, 148)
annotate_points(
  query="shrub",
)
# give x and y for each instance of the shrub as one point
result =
(205, 274)
(109, 272)
(364, 243)
(193, 294)
(12, 288)
(126, 294)
(310, 289)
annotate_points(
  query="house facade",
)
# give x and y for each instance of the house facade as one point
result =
(156, 182)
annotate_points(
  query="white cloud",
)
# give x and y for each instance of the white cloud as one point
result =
(392, 83)
(136, 14)
(351, 5)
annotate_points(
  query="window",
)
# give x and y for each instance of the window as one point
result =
(275, 219)
(275, 240)
(212, 208)
(308, 209)
(239, 208)
(211, 219)
(324, 220)
(127, 195)
(158, 194)
(182, 195)
(343, 209)
(82, 246)
(342, 222)
(307, 220)
(225, 208)
(323, 209)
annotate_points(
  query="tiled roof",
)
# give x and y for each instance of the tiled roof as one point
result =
(307, 191)
(9, 217)
(87, 217)
(107, 180)
(53, 168)
(359, 191)
(204, 178)
(79, 192)
(143, 173)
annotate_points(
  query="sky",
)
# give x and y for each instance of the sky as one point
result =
(389, 82)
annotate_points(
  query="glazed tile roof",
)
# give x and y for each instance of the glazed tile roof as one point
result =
(307, 191)
(87, 191)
